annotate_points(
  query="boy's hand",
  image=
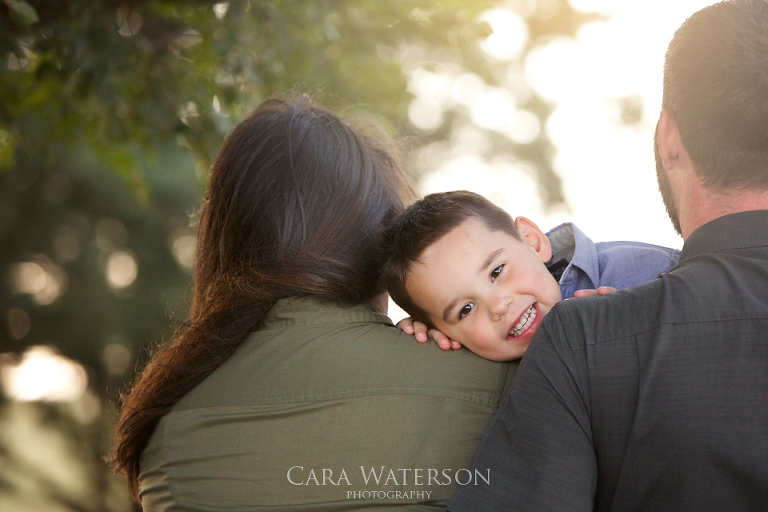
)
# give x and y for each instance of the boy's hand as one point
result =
(420, 331)
(603, 290)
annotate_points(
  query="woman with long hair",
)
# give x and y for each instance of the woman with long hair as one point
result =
(288, 381)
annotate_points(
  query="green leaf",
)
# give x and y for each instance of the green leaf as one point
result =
(22, 13)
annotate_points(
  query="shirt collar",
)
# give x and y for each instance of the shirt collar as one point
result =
(307, 310)
(585, 252)
(733, 231)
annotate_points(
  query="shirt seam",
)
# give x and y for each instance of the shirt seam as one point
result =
(491, 402)
(724, 249)
(281, 324)
(660, 324)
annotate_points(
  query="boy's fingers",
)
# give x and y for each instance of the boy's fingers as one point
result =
(455, 345)
(603, 290)
(442, 340)
(406, 325)
(420, 330)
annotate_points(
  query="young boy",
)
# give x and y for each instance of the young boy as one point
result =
(470, 275)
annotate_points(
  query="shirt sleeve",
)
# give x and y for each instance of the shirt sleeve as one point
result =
(625, 264)
(539, 446)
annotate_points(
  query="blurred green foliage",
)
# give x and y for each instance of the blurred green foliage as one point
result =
(111, 112)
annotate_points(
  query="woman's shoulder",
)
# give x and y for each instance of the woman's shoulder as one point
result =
(346, 352)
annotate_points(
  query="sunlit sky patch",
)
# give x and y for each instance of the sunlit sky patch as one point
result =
(606, 165)
(510, 33)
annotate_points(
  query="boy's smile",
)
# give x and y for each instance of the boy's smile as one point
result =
(485, 288)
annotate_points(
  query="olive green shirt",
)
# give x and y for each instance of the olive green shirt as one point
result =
(325, 408)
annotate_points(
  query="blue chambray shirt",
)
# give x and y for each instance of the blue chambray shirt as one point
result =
(579, 263)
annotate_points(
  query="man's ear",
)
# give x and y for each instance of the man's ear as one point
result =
(669, 141)
(534, 238)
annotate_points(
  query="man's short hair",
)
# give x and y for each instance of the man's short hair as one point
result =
(716, 88)
(424, 223)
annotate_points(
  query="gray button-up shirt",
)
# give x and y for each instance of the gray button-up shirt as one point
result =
(652, 398)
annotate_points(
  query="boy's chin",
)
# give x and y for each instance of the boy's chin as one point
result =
(506, 354)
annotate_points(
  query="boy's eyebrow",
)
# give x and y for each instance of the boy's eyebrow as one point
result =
(448, 308)
(488, 261)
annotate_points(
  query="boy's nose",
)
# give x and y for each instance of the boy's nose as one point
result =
(499, 306)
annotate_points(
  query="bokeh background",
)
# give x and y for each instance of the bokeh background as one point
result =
(111, 112)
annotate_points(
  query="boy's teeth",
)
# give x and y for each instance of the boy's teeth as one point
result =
(524, 322)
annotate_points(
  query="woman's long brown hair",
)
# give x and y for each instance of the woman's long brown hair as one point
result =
(295, 207)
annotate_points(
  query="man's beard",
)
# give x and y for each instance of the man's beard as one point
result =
(664, 186)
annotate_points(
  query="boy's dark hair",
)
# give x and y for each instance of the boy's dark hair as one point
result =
(715, 87)
(424, 223)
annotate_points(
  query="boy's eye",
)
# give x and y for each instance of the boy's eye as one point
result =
(467, 309)
(496, 271)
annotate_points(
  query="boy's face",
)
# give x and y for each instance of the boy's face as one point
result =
(485, 288)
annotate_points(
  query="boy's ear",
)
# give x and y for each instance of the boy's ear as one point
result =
(534, 238)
